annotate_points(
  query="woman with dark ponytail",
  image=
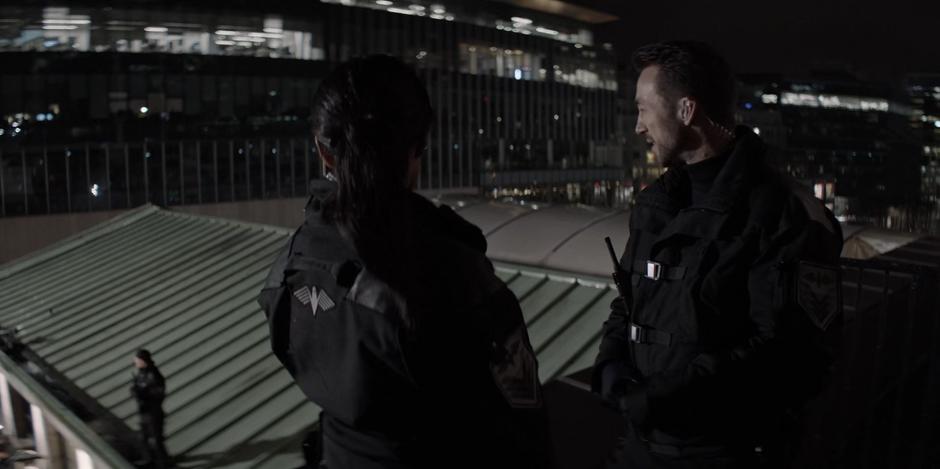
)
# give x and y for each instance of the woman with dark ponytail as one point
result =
(384, 307)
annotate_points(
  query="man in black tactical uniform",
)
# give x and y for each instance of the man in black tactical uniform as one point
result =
(149, 389)
(730, 281)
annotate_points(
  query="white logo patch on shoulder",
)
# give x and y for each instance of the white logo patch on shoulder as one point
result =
(314, 298)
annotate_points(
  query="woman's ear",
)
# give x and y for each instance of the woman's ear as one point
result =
(328, 160)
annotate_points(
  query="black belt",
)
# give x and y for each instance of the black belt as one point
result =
(655, 270)
(685, 451)
(648, 335)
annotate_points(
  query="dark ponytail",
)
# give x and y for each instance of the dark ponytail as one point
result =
(372, 113)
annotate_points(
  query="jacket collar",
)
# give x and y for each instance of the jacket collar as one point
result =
(426, 218)
(707, 218)
(738, 173)
(671, 191)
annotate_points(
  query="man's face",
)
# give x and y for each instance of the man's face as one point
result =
(139, 364)
(658, 119)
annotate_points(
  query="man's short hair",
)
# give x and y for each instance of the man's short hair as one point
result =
(691, 68)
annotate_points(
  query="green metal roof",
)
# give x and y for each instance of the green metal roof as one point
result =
(563, 313)
(184, 286)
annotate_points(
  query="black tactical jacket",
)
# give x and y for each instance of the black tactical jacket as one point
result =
(729, 300)
(149, 389)
(460, 389)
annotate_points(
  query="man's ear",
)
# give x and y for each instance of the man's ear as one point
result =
(687, 108)
(328, 159)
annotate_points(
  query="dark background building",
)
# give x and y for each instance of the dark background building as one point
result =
(850, 141)
(110, 106)
(924, 92)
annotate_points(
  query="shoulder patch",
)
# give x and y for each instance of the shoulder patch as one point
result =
(819, 292)
(516, 371)
(314, 298)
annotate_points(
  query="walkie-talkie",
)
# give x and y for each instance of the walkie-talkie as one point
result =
(619, 275)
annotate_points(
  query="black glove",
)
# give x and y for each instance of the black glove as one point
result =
(623, 389)
(634, 404)
(616, 379)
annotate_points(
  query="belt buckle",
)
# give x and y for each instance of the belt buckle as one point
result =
(653, 270)
(636, 334)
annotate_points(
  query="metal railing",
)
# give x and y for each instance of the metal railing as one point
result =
(105, 176)
(77, 432)
(880, 408)
(37, 180)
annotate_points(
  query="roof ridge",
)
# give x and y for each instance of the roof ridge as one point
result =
(78, 239)
(589, 224)
(586, 279)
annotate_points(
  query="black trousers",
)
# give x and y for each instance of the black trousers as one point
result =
(639, 454)
(151, 435)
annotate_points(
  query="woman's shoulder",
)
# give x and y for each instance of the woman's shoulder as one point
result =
(441, 220)
(458, 267)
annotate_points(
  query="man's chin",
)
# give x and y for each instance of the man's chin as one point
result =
(669, 159)
(673, 163)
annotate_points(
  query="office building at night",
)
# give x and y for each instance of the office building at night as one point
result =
(111, 106)
(850, 142)
(925, 121)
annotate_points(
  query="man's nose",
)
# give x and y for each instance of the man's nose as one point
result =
(639, 128)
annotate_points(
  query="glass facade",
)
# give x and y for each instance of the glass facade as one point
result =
(849, 143)
(94, 29)
(924, 92)
(508, 100)
(925, 121)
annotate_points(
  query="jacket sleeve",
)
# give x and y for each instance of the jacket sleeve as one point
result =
(770, 313)
(158, 387)
(274, 301)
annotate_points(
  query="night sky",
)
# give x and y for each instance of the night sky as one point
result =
(872, 40)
